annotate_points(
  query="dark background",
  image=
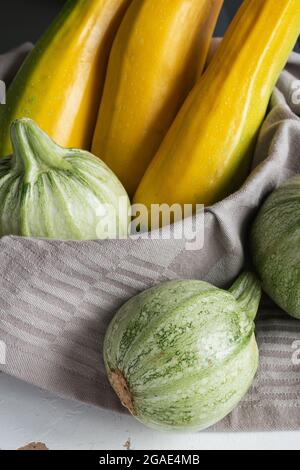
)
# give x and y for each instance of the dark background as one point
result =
(26, 20)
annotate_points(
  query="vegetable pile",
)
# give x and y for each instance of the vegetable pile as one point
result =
(207, 152)
(132, 82)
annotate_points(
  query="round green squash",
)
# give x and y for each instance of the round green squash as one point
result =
(51, 192)
(275, 244)
(182, 355)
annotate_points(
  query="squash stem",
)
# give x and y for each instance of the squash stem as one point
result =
(247, 291)
(33, 151)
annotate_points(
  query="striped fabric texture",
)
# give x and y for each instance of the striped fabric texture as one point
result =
(57, 298)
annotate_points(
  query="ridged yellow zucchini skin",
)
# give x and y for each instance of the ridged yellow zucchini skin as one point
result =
(157, 53)
(207, 151)
(61, 82)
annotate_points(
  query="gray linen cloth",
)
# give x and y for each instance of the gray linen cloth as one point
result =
(56, 298)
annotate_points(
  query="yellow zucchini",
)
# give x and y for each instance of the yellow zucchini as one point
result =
(61, 83)
(207, 151)
(157, 53)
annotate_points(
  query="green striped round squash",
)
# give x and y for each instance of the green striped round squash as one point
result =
(51, 192)
(275, 242)
(183, 354)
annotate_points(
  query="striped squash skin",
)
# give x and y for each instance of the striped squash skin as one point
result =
(275, 242)
(50, 192)
(184, 351)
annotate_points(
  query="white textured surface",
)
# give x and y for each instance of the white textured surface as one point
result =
(28, 414)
